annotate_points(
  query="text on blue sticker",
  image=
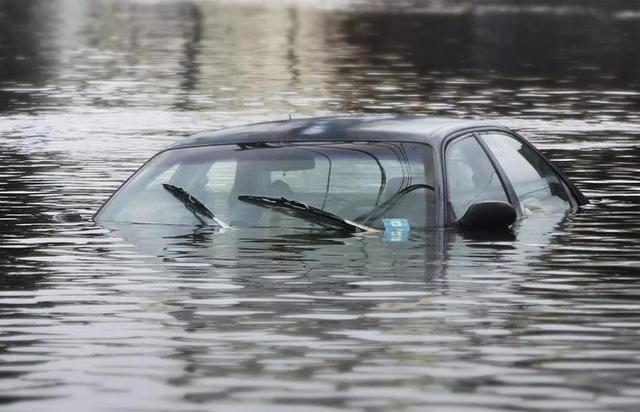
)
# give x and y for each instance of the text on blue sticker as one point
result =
(395, 224)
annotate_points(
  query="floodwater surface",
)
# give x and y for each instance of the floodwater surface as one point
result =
(152, 317)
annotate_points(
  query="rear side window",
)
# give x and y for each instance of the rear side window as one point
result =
(538, 187)
(471, 178)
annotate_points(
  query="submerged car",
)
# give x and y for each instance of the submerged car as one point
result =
(354, 174)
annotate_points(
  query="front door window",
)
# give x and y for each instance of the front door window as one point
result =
(471, 178)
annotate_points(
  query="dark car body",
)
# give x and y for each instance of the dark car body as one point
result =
(510, 164)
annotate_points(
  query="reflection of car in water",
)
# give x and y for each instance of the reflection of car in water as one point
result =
(346, 173)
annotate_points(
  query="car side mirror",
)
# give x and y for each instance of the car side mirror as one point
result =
(489, 216)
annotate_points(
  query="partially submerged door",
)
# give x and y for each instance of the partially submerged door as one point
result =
(538, 187)
(470, 177)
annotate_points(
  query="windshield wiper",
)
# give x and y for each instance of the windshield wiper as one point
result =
(193, 205)
(306, 212)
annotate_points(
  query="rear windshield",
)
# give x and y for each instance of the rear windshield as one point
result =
(363, 182)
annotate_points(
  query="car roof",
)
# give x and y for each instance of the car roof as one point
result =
(432, 130)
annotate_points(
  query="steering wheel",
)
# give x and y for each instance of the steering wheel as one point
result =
(389, 203)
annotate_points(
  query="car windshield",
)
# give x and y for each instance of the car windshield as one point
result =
(363, 182)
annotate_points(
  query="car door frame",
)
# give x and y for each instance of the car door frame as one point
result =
(576, 198)
(506, 184)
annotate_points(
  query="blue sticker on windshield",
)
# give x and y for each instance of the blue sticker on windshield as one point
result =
(396, 225)
(396, 230)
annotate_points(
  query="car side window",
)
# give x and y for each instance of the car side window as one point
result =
(538, 187)
(471, 177)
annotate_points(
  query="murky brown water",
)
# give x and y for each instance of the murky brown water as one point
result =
(157, 318)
